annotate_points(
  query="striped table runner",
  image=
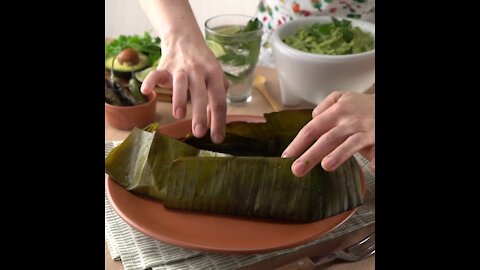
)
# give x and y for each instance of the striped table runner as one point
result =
(138, 251)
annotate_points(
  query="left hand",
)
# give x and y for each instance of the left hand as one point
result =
(342, 125)
(187, 64)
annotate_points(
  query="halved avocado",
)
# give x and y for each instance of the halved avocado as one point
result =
(124, 71)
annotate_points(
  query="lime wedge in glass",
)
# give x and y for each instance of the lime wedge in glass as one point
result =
(216, 48)
(230, 29)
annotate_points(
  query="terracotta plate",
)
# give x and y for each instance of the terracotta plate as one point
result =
(213, 233)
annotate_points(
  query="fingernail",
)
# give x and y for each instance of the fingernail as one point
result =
(328, 162)
(285, 154)
(299, 168)
(144, 87)
(179, 113)
(199, 130)
(217, 138)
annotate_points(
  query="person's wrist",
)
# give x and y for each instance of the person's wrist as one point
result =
(183, 35)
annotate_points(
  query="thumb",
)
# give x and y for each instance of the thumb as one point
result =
(159, 77)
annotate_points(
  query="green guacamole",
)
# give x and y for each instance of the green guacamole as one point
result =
(335, 38)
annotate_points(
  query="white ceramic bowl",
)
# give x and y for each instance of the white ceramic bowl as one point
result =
(312, 77)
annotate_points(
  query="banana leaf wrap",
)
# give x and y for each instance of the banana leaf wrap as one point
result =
(246, 178)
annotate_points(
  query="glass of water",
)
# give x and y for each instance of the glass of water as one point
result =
(235, 40)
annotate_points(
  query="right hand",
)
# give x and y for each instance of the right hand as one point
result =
(342, 125)
(187, 64)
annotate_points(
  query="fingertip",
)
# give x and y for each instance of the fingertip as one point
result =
(287, 153)
(179, 113)
(218, 138)
(328, 164)
(199, 130)
(299, 168)
(146, 88)
(216, 120)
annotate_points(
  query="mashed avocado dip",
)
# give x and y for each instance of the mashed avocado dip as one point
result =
(335, 38)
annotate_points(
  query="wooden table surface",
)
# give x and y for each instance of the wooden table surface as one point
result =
(258, 106)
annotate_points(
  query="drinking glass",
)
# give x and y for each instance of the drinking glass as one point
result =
(235, 41)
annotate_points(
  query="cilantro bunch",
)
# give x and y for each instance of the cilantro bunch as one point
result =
(145, 44)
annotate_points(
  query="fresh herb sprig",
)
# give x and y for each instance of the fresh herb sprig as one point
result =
(252, 25)
(234, 59)
(145, 44)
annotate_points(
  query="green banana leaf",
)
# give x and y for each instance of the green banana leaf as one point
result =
(248, 186)
(187, 174)
(257, 139)
(142, 162)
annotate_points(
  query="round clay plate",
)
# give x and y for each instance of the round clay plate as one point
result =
(214, 233)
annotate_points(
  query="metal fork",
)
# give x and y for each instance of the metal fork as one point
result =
(356, 252)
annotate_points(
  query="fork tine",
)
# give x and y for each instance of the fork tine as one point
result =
(358, 251)
(362, 245)
(366, 252)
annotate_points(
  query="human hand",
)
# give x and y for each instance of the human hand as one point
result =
(187, 64)
(342, 125)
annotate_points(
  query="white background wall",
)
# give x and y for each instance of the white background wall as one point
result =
(127, 17)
